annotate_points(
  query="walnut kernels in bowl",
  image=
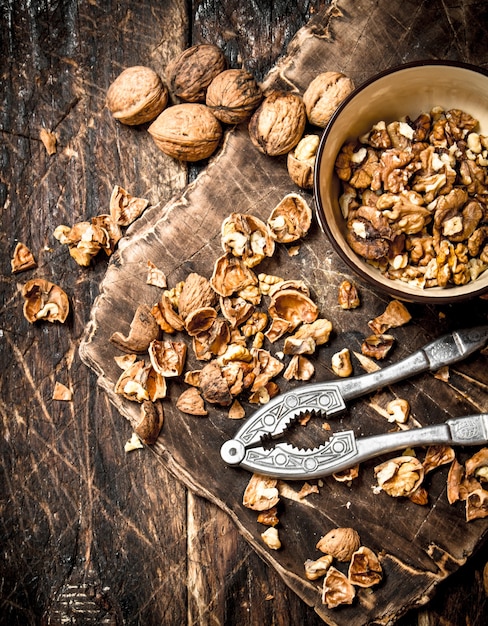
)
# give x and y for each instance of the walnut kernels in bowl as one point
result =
(395, 102)
(136, 96)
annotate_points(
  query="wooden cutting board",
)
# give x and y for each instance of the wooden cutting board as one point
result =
(419, 545)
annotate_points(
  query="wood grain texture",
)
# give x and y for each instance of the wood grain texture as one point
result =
(185, 237)
(91, 535)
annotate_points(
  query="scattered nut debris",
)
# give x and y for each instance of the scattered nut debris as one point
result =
(134, 443)
(44, 301)
(271, 538)
(318, 568)
(401, 476)
(396, 314)
(61, 392)
(377, 346)
(48, 138)
(348, 296)
(365, 569)
(269, 517)
(23, 259)
(124, 207)
(341, 363)
(398, 410)
(191, 402)
(261, 493)
(301, 161)
(337, 589)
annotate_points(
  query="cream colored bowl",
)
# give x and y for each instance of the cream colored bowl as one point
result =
(406, 90)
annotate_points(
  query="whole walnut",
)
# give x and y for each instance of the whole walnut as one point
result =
(233, 95)
(187, 131)
(191, 72)
(137, 95)
(278, 124)
(323, 96)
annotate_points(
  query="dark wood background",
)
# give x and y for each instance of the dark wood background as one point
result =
(89, 534)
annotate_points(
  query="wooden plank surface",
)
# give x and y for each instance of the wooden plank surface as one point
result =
(89, 533)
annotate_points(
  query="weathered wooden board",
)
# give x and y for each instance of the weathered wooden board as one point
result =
(420, 546)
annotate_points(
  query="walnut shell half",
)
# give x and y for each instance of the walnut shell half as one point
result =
(137, 95)
(44, 300)
(278, 124)
(187, 132)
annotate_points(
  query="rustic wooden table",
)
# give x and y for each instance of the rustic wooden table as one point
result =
(90, 534)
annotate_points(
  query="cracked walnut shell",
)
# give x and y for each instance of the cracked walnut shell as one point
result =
(278, 124)
(187, 132)
(44, 301)
(136, 96)
(233, 95)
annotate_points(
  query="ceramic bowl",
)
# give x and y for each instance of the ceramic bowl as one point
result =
(407, 90)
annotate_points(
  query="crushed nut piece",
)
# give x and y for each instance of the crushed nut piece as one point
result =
(400, 476)
(365, 569)
(318, 568)
(191, 402)
(398, 410)
(337, 589)
(261, 493)
(23, 259)
(61, 392)
(341, 363)
(271, 538)
(134, 443)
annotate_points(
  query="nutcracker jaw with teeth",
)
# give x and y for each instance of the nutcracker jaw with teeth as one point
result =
(249, 448)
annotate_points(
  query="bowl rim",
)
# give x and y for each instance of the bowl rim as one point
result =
(446, 295)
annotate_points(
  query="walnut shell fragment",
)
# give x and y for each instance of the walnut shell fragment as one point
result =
(318, 568)
(340, 543)
(190, 73)
(62, 393)
(396, 314)
(294, 307)
(186, 132)
(377, 346)
(401, 476)
(231, 275)
(291, 219)
(324, 94)
(301, 161)
(191, 402)
(136, 96)
(233, 95)
(261, 493)
(150, 422)
(278, 124)
(167, 357)
(44, 301)
(48, 138)
(143, 329)
(125, 208)
(140, 382)
(337, 589)
(22, 259)
(365, 569)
